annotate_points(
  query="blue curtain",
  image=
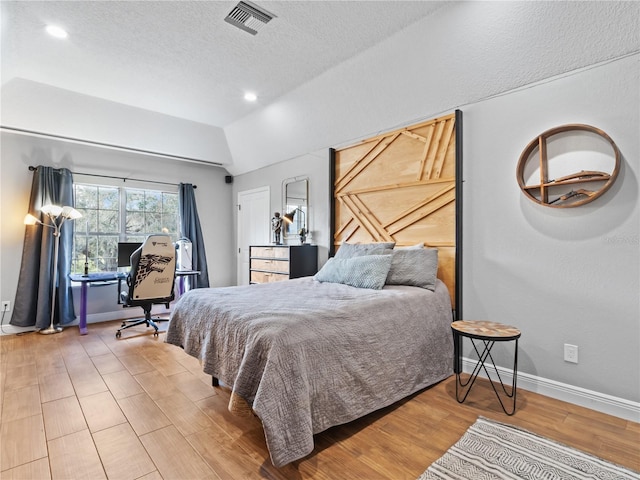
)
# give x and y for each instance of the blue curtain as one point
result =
(190, 228)
(32, 306)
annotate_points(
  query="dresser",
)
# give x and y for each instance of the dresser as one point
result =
(272, 263)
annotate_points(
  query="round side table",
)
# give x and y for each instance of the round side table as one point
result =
(484, 335)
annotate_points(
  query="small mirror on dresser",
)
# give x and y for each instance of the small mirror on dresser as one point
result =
(295, 206)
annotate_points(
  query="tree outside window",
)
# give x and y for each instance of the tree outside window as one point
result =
(115, 214)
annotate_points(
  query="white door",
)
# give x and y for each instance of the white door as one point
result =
(254, 226)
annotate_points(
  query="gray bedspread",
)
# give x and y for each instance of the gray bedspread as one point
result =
(306, 356)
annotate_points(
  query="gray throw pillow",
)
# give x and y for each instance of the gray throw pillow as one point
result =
(350, 250)
(415, 267)
(368, 271)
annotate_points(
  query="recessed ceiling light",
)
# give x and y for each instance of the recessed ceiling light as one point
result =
(250, 97)
(56, 31)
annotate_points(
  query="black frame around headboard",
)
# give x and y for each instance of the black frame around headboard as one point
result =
(457, 306)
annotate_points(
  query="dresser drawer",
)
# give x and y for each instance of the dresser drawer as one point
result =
(281, 266)
(269, 252)
(266, 277)
(272, 263)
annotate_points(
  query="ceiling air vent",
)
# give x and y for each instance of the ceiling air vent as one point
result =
(248, 17)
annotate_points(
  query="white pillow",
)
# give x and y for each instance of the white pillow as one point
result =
(411, 247)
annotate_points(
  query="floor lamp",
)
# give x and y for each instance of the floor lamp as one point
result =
(57, 216)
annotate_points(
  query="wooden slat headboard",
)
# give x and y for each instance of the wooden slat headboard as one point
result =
(404, 186)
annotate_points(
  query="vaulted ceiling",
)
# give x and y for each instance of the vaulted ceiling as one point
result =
(170, 76)
(181, 58)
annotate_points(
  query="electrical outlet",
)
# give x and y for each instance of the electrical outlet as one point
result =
(6, 305)
(570, 353)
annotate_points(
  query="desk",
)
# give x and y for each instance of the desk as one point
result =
(184, 273)
(84, 280)
(101, 277)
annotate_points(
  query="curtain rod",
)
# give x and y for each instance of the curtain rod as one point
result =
(23, 131)
(32, 168)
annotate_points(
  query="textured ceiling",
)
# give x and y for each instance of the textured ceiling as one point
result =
(180, 58)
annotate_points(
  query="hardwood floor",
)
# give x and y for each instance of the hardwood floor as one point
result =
(91, 407)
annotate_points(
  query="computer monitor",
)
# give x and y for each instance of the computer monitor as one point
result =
(125, 249)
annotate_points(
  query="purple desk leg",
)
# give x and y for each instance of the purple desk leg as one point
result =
(83, 309)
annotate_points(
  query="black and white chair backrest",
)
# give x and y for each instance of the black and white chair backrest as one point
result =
(153, 268)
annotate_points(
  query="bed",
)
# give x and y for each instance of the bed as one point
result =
(332, 355)
(372, 327)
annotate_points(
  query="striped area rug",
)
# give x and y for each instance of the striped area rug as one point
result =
(493, 450)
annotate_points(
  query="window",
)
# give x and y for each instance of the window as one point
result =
(116, 214)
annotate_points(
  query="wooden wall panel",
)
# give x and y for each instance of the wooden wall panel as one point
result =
(401, 186)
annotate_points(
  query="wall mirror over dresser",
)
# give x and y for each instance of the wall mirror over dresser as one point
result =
(295, 204)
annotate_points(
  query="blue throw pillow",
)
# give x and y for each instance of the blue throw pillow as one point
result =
(369, 271)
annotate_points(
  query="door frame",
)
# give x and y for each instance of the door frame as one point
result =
(262, 197)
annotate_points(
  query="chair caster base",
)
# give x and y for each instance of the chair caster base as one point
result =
(147, 322)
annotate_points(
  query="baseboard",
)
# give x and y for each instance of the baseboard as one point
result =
(12, 330)
(601, 402)
(120, 314)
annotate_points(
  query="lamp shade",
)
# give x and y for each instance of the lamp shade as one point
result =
(30, 219)
(288, 217)
(70, 213)
(51, 210)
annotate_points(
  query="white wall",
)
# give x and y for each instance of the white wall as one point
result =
(315, 166)
(18, 152)
(515, 69)
(43, 108)
(560, 275)
(464, 52)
